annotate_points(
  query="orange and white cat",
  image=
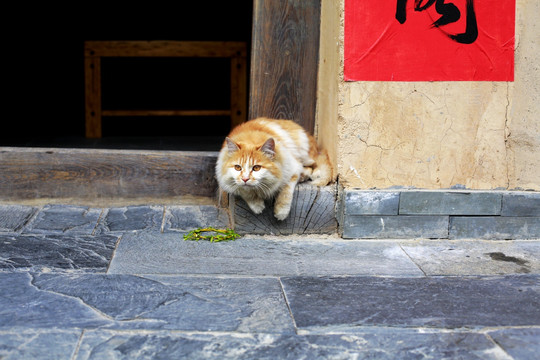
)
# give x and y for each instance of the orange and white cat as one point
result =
(265, 158)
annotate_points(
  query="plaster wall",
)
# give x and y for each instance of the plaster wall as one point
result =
(432, 135)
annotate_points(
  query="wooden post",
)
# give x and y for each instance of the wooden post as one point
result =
(284, 60)
(92, 88)
(238, 91)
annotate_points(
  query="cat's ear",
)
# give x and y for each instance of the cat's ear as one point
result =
(231, 145)
(269, 148)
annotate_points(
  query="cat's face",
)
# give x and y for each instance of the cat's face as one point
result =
(250, 167)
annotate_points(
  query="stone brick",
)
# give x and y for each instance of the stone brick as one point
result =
(494, 227)
(519, 343)
(370, 202)
(39, 344)
(65, 219)
(450, 302)
(191, 217)
(521, 204)
(364, 343)
(130, 302)
(133, 218)
(14, 217)
(56, 252)
(397, 227)
(137, 253)
(449, 203)
(473, 257)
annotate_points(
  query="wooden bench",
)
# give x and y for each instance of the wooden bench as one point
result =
(95, 50)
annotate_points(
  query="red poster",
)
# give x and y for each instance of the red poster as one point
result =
(429, 40)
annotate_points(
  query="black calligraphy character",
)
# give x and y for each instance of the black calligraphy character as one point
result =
(449, 14)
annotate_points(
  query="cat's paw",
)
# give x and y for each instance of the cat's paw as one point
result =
(256, 206)
(281, 213)
(305, 175)
(318, 179)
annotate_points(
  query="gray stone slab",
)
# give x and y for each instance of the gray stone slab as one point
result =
(191, 217)
(447, 302)
(495, 227)
(56, 252)
(134, 302)
(357, 202)
(395, 227)
(38, 344)
(133, 218)
(521, 343)
(14, 217)
(168, 253)
(368, 344)
(65, 219)
(450, 203)
(312, 212)
(474, 257)
(521, 204)
(24, 305)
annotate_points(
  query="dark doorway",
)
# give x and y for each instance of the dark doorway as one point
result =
(45, 75)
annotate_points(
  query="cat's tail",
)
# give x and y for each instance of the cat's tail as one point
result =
(323, 171)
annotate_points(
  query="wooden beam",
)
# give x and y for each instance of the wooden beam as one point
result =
(165, 48)
(284, 60)
(33, 173)
(166, 113)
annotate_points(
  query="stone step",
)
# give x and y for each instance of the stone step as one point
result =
(315, 210)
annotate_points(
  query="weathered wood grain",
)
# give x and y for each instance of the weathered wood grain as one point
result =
(312, 212)
(166, 48)
(31, 173)
(284, 60)
(166, 112)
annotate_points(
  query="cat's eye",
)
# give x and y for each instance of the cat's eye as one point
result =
(256, 167)
(237, 167)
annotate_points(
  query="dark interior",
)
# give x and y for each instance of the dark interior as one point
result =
(44, 78)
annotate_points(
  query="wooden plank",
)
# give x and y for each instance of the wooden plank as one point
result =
(165, 48)
(284, 60)
(92, 88)
(33, 173)
(166, 113)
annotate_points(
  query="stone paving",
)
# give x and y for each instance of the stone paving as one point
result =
(104, 283)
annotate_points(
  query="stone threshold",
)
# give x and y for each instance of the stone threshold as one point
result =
(351, 213)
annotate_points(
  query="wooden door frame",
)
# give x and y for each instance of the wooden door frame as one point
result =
(283, 83)
(284, 60)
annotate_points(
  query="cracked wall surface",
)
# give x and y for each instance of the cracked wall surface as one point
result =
(437, 135)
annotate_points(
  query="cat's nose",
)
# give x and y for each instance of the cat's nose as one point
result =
(245, 180)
